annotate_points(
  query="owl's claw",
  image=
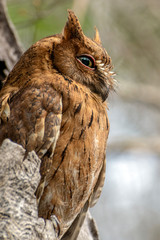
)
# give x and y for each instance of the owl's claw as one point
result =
(56, 224)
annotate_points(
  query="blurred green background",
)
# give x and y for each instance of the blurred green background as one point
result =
(129, 207)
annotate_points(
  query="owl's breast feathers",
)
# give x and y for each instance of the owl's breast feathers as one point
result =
(67, 126)
(79, 153)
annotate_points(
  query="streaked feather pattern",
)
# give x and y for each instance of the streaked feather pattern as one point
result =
(53, 104)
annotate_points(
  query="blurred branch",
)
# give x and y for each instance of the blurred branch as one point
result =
(10, 47)
(147, 144)
(144, 93)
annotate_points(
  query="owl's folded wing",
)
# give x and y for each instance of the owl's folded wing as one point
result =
(33, 119)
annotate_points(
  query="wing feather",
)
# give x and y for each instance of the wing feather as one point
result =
(34, 119)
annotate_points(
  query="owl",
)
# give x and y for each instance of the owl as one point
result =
(53, 102)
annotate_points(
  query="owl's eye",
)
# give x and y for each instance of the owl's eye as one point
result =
(87, 61)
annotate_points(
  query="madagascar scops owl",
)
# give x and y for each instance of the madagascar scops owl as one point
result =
(53, 102)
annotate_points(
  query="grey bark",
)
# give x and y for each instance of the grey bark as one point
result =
(19, 179)
(10, 48)
(18, 208)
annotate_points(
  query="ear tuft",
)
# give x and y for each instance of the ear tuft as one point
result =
(72, 28)
(97, 36)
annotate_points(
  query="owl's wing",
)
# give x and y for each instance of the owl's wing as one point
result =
(47, 112)
(73, 231)
(32, 118)
(5, 95)
(99, 185)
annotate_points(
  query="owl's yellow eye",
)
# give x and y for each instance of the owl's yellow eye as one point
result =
(87, 61)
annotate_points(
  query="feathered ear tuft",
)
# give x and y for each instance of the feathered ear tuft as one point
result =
(97, 36)
(72, 28)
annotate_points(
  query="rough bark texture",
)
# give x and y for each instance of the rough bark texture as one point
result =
(18, 207)
(19, 178)
(10, 49)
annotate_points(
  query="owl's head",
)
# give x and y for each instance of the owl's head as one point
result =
(71, 54)
(82, 59)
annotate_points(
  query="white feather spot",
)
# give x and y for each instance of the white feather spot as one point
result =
(99, 61)
(101, 64)
(96, 142)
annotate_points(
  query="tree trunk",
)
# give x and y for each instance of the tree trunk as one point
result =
(10, 49)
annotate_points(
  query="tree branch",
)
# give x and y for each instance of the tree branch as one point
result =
(144, 93)
(18, 207)
(123, 144)
(10, 47)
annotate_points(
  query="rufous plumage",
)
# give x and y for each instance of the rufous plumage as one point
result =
(53, 102)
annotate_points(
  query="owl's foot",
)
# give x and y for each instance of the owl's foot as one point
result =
(56, 225)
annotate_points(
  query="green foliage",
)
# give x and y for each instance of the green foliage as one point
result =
(35, 19)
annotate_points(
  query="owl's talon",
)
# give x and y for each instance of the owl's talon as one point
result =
(56, 224)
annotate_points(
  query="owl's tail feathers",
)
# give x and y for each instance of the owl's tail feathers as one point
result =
(73, 231)
(40, 190)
